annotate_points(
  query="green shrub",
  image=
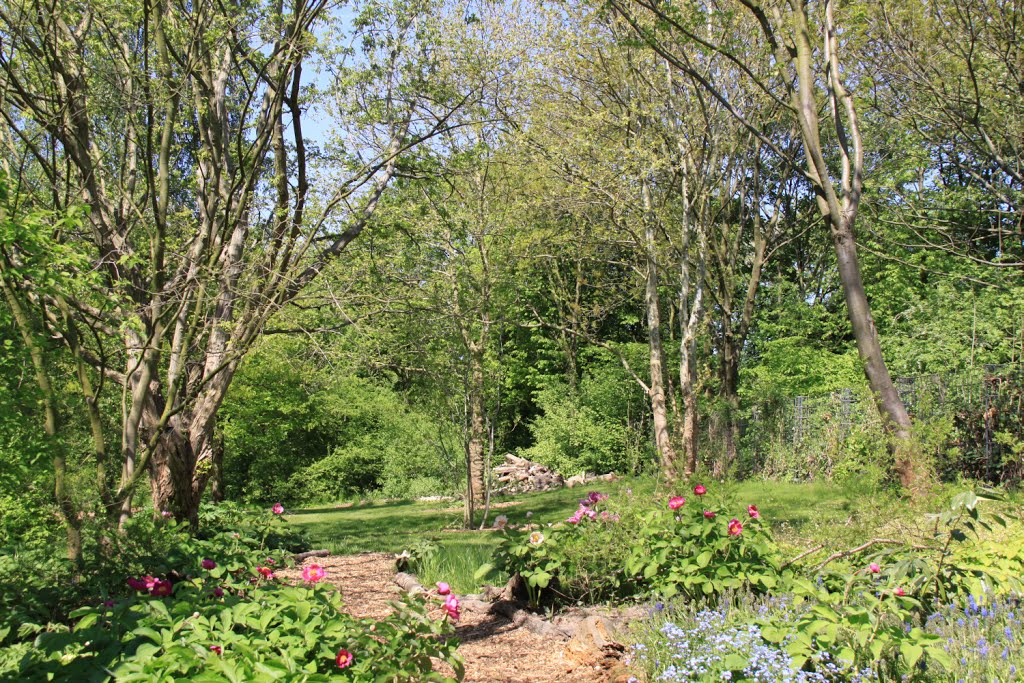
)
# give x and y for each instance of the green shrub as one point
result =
(611, 548)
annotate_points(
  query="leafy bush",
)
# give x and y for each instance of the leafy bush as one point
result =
(54, 587)
(297, 433)
(596, 428)
(905, 613)
(212, 610)
(614, 549)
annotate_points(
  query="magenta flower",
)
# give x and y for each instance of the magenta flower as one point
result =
(137, 584)
(752, 511)
(874, 568)
(451, 607)
(900, 592)
(216, 649)
(735, 528)
(313, 573)
(218, 592)
(278, 509)
(208, 564)
(708, 514)
(108, 603)
(443, 588)
(162, 588)
(676, 502)
(344, 658)
(266, 572)
(596, 496)
(699, 490)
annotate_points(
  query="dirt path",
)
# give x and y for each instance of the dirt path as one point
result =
(493, 651)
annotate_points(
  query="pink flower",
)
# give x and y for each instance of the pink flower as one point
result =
(266, 572)
(735, 528)
(149, 581)
(216, 649)
(596, 496)
(166, 514)
(676, 502)
(271, 562)
(443, 588)
(900, 592)
(162, 588)
(313, 573)
(752, 511)
(208, 564)
(344, 658)
(699, 490)
(708, 514)
(874, 568)
(451, 607)
(278, 509)
(218, 592)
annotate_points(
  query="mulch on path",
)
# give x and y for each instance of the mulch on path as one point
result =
(493, 651)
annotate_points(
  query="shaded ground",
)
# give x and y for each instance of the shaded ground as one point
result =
(493, 651)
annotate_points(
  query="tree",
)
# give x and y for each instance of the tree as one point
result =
(793, 74)
(180, 128)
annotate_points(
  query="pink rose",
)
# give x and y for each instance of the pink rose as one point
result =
(752, 511)
(708, 514)
(676, 502)
(699, 490)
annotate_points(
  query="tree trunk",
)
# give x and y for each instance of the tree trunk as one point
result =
(171, 468)
(659, 410)
(687, 375)
(887, 399)
(217, 468)
(476, 437)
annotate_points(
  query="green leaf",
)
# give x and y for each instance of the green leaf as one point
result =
(911, 653)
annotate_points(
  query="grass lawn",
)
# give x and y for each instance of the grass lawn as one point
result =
(802, 515)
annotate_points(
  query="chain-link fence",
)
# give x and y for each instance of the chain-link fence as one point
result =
(971, 422)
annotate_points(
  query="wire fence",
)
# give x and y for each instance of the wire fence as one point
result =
(971, 421)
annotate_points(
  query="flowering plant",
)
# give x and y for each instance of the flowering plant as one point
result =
(704, 549)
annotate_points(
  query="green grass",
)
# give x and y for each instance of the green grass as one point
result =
(802, 515)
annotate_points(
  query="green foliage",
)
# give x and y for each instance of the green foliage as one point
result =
(686, 552)
(643, 548)
(295, 432)
(594, 428)
(915, 613)
(56, 586)
(230, 622)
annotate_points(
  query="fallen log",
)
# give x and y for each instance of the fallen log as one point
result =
(299, 557)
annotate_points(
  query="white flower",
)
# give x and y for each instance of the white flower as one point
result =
(536, 538)
(500, 521)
